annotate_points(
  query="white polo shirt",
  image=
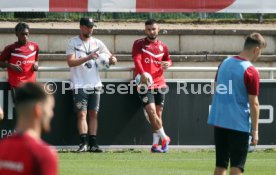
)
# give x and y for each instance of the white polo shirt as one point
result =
(85, 75)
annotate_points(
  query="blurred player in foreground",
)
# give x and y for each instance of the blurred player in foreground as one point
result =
(25, 153)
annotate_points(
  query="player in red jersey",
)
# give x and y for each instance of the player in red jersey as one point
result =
(25, 153)
(152, 56)
(20, 58)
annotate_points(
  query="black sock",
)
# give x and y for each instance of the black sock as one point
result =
(83, 138)
(92, 140)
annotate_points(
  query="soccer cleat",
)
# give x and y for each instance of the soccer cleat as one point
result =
(82, 148)
(155, 149)
(165, 144)
(95, 149)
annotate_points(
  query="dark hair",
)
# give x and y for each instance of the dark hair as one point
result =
(150, 22)
(20, 27)
(30, 92)
(254, 40)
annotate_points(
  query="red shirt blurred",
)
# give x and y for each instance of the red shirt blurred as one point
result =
(22, 154)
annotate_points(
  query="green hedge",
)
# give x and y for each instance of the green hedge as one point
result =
(126, 16)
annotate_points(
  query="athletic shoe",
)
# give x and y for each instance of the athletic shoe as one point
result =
(82, 148)
(165, 144)
(95, 149)
(155, 149)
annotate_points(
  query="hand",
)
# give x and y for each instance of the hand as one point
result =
(35, 67)
(144, 79)
(1, 114)
(255, 138)
(15, 67)
(112, 60)
(165, 64)
(92, 56)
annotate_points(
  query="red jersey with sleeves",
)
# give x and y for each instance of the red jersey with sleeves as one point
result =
(24, 56)
(147, 57)
(22, 154)
(251, 79)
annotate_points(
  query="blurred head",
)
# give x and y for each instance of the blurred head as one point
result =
(22, 32)
(86, 26)
(34, 104)
(254, 43)
(151, 29)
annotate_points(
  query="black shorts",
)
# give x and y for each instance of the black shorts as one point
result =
(85, 99)
(231, 145)
(156, 96)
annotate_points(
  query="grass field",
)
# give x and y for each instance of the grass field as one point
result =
(141, 162)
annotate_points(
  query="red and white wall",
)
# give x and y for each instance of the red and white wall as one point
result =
(231, 6)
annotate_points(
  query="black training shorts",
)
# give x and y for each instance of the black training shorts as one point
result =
(156, 96)
(231, 145)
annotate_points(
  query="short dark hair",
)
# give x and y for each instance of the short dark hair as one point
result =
(21, 27)
(150, 22)
(30, 92)
(254, 40)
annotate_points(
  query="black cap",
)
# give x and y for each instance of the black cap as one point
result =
(86, 21)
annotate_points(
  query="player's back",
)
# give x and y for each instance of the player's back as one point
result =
(22, 154)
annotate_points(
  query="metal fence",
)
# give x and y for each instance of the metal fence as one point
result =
(270, 70)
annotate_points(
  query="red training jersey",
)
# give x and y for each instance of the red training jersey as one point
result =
(23, 55)
(22, 154)
(148, 57)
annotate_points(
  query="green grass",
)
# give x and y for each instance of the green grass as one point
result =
(145, 163)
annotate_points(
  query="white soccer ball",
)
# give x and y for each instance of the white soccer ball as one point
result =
(102, 62)
(138, 77)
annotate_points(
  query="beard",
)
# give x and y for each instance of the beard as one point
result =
(152, 37)
(86, 35)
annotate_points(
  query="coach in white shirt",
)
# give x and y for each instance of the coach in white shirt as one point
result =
(82, 51)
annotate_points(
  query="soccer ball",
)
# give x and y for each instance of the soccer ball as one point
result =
(102, 62)
(138, 77)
